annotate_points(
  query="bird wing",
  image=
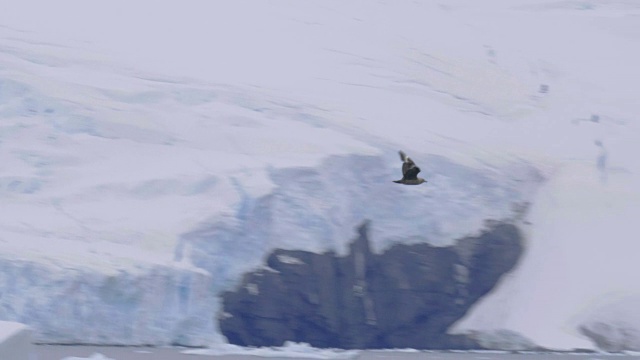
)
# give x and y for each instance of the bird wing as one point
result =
(409, 169)
(403, 156)
(412, 173)
(407, 165)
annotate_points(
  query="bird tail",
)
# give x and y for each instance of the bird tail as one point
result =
(403, 156)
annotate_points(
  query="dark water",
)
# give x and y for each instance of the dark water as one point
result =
(48, 352)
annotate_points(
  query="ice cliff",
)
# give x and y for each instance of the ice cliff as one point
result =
(405, 297)
(130, 214)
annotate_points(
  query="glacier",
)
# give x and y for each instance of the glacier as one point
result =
(145, 167)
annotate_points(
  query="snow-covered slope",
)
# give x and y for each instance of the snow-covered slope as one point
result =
(144, 166)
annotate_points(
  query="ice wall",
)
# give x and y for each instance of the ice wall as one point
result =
(144, 305)
(316, 209)
(131, 200)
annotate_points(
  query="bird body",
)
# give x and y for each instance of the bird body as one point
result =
(410, 171)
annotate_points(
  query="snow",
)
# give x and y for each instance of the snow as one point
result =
(291, 260)
(288, 350)
(96, 356)
(567, 256)
(253, 289)
(15, 341)
(145, 166)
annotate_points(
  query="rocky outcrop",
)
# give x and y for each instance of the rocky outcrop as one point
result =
(614, 337)
(408, 296)
(506, 340)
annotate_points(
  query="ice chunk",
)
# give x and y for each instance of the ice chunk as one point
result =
(15, 341)
(95, 356)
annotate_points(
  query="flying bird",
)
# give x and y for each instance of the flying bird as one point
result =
(410, 171)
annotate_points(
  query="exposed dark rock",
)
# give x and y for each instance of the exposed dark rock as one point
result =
(505, 340)
(612, 337)
(407, 296)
